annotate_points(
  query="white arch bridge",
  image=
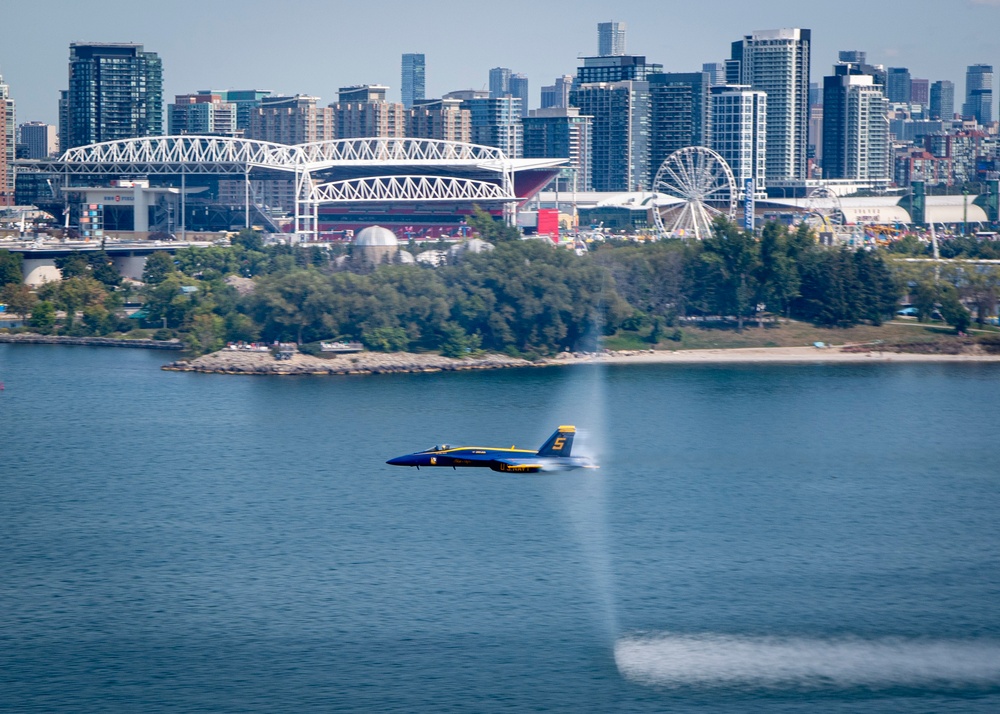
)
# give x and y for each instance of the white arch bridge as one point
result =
(379, 170)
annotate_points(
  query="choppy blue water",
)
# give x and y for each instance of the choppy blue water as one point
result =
(780, 539)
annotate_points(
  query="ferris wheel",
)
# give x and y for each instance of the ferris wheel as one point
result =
(704, 183)
(823, 211)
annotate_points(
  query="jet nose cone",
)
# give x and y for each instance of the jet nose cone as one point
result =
(399, 461)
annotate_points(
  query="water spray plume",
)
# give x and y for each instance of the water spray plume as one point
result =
(582, 495)
(709, 660)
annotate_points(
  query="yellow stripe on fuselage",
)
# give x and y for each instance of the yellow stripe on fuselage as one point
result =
(485, 448)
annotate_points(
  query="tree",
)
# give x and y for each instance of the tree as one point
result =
(734, 256)
(10, 268)
(294, 303)
(158, 266)
(97, 320)
(206, 333)
(831, 292)
(168, 305)
(19, 298)
(43, 317)
(103, 269)
(878, 293)
(778, 275)
(952, 309)
(456, 342)
(240, 328)
(248, 240)
(924, 296)
(74, 265)
(982, 288)
(492, 230)
(385, 339)
(73, 294)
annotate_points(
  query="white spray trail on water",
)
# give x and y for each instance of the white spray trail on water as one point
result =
(709, 660)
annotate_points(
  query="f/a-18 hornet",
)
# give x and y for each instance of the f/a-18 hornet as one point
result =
(553, 456)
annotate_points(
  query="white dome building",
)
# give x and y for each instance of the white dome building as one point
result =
(376, 245)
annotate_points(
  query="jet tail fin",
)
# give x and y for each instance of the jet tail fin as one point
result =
(560, 443)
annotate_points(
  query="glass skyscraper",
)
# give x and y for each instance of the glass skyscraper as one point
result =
(115, 92)
(519, 89)
(979, 93)
(610, 38)
(943, 100)
(412, 83)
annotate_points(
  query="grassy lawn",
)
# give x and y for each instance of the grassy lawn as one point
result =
(786, 334)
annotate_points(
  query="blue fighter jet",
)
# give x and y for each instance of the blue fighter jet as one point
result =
(553, 456)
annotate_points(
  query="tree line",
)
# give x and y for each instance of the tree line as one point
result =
(739, 276)
(523, 297)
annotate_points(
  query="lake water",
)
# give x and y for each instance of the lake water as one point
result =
(773, 538)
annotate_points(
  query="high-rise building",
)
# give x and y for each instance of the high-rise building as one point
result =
(777, 62)
(898, 85)
(979, 93)
(284, 120)
(412, 84)
(561, 133)
(519, 88)
(621, 133)
(611, 38)
(943, 100)
(920, 92)
(8, 127)
(245, 101)
(680, 112)
(859, 61)
(40, 139)
(716, 72)
(815, 94)
(496, 121)
(615, 69)
(363, 112)
(733, 67)
(202, 114)
(499, 82)
(816, 134)
(856, 142)
(739, 133)
(439, 119)
(115, 92)
(291, 120)
(557, 95)
(6, 194)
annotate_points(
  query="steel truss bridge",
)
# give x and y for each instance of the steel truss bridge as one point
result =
(397, 170)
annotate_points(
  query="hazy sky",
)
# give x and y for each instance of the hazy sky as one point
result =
(314, 47)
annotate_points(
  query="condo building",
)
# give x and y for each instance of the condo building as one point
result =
(621, 133)
(777, 62)
(115, 92)
(739, 133)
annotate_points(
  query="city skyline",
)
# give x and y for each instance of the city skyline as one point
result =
(34, 64)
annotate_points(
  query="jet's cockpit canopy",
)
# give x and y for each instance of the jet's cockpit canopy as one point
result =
(440, 447)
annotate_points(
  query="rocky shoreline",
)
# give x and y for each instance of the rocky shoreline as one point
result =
(29, 338)
(263, 363)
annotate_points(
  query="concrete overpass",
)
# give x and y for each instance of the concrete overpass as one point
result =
(129, 258)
